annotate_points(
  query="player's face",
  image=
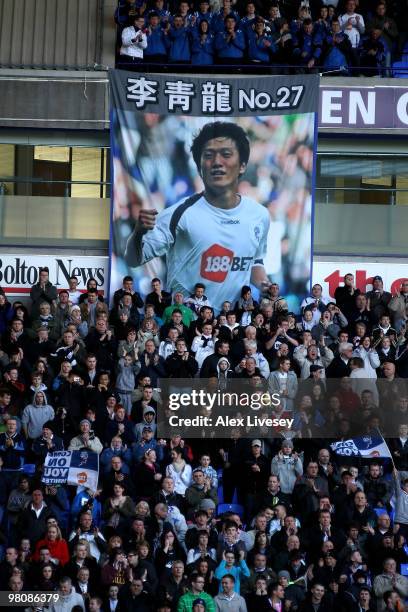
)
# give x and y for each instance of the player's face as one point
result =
(220, 164)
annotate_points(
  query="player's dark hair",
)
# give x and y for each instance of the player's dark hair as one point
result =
(221, 129)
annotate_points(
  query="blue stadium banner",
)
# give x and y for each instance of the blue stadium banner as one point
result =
(213, 182)
(73, 468)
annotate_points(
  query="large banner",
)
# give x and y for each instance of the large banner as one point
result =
(355, 106)
(73, 468)
(213, 182)
(330, 274)
(20, 271)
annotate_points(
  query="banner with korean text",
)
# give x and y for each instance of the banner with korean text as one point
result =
(212, 182)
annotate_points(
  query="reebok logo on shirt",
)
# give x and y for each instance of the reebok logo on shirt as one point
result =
(217, 261)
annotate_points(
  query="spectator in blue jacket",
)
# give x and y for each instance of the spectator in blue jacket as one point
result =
(164, 14)
(156, 50)
(247, 23)
(179, 41)
(147, 442)
(338, 49)
(230, 44)
(12, 451)
(307, 45)
(202, 44)
(323, 25)
(261, 46)
(203, 14)
(218, 20)
(184, 11)
(116, 449)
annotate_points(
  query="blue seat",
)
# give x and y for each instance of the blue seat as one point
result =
(237, 508)
(400, 69)
(29, 468)
(404, 569)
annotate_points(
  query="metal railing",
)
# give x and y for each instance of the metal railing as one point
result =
(265, 69)
(330, 191)
(43, 181)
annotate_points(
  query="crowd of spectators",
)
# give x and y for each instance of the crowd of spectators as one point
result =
(308, 530)
(338, 37)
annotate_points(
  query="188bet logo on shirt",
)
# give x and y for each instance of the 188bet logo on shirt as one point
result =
(217, 261)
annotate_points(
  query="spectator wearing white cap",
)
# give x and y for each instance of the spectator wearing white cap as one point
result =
(86, 439)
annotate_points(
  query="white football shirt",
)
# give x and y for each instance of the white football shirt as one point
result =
(203, 243)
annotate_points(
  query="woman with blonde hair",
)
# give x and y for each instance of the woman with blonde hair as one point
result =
(56, 544)
(142, 509)
(114, 541)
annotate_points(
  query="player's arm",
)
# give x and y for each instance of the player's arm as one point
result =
(150, 238)
(259, 277)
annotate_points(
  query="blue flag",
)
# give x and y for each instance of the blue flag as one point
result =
(365, 446)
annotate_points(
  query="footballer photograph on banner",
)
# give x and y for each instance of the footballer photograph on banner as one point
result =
(212, 183)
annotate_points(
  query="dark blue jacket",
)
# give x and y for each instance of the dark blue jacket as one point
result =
(337, 51)
(257, 50)
(112, 429)
(106, 457)
(164, 15)
(40, 447)
(179, 47)
(13, 456)
(366, 45)
(217, 22)
(246, 24)
(141, 447)
(156, 42)
(154, 371)
(310, 44)
(202, 53)
(233, 49)
(199, 17)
